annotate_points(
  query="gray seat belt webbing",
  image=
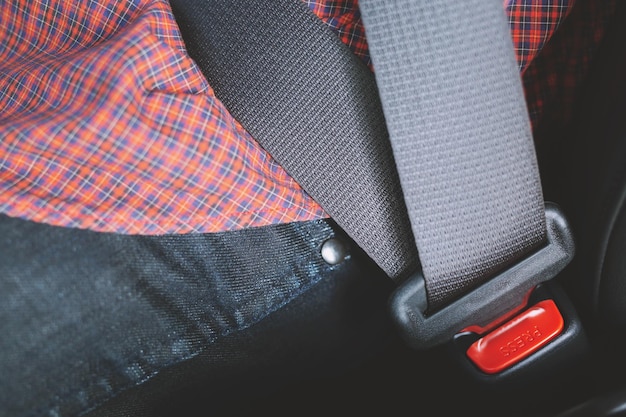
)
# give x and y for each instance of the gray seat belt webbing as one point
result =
(304, 96)
(454, 107)
(461, 137)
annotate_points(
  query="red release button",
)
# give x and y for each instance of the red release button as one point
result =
(518, 338)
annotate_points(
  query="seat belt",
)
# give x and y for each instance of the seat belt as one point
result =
(455, 110)
(457, 120)
(314, 106)
(453, 120)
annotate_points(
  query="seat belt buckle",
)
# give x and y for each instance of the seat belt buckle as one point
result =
(472, 316)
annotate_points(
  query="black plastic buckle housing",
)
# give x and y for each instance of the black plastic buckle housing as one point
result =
(489, 301)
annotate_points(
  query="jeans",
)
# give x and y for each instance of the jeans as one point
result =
(89, 319)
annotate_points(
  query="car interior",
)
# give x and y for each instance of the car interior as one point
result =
(336, 349)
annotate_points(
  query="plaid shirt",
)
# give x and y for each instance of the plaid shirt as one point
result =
(107, 124)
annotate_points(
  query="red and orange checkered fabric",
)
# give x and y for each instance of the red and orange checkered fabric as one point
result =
(107, 124)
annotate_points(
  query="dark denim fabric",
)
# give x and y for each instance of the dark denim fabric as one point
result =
(84, 316)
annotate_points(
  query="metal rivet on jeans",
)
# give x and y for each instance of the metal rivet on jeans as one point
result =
(334, 251)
